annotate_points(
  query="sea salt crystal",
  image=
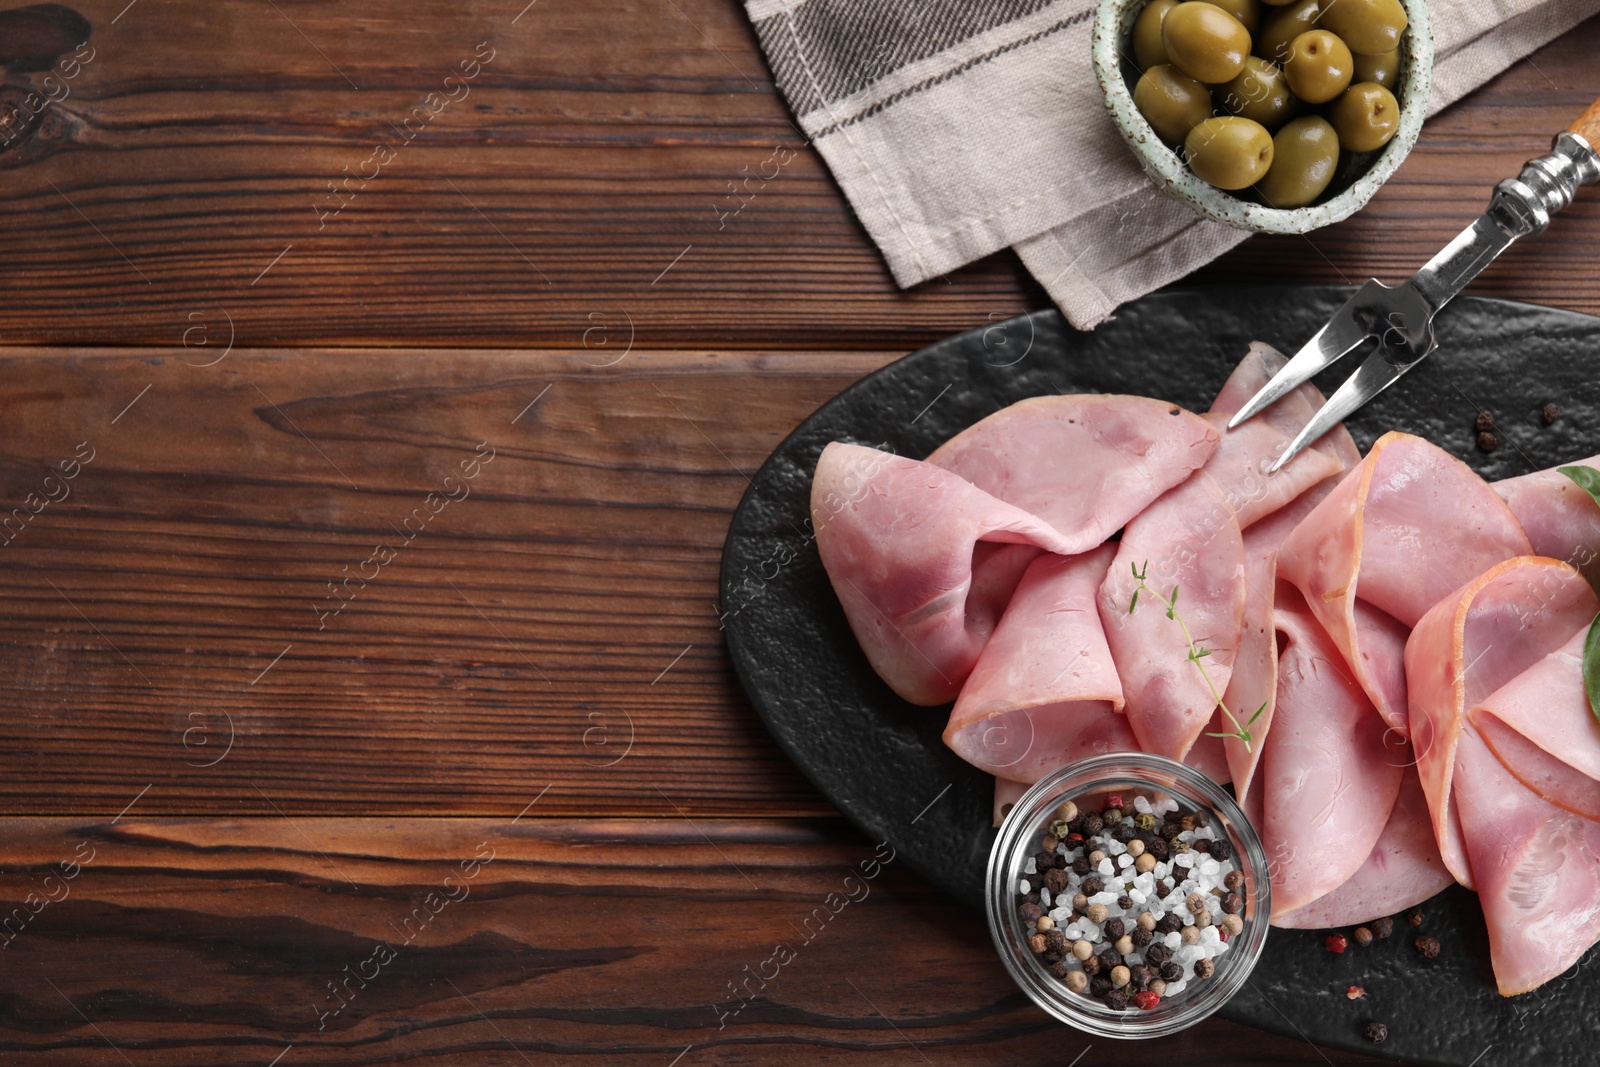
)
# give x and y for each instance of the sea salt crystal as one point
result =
(1210, 867)
(1165, 805)
(1023, 887)
(1061, 915)
(1073, 932)
(1105, 868)
(1107, 897)
(1174, 988)
(1115, 848)
(1030, 867)
(1136, 895)
(1141, 805)
(1184, 859)
(1044, 898)
(1124, 861)
(1174, 940)
(1219, 948)
(1187, 954)
(1133, 959)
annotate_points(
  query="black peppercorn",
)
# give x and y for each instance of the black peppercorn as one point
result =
(1362, 936)
(1055, 939)
(1055, 880)
(1125, 902)
(1032, 896)
(1382, 928)
(1117, 1000)
(1168, 924)
(1109, 959)
(1140, 976)
(1171, 972)
(1080, 866)
(1091, 966)
(1141, 937)
(1093, 884)
(1200, 844)
(1158, 954)
(1377, 1033)
(1550, 413)
(1204, 968)
(1488, 442)
(1092, 824)
(1099, 986)
(1232, 903)
(1062, 862)
(1414, 917)
(1029, 912)
(1221, 849)
(1060, 969)
(1114, 928)
(1045, 860)
(1164, 887)
(1428, 946)
(1202, 818)
(1484, 422)
(1049, 958)
(1156, 847)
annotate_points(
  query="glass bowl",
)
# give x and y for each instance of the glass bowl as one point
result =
(1086, 782)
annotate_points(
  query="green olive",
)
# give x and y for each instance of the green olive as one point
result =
(1283, 25)
(1370, 27)
(1205, 42)
(1366, 116)
(1148, 51)
(1305, 155)
(1260, 93)
(1229, 152)
(1171, 101)
(1248, 12)
(1319, 66)
(1384, 69)
(1277, 3)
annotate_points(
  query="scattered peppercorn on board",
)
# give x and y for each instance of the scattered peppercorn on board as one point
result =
(883, 763)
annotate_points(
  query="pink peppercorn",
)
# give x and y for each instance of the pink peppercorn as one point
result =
(1336, 943)
(1146, 1000)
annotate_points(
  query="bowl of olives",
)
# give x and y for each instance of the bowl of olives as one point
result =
(1277, 116)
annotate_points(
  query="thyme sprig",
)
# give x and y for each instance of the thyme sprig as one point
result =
(1197, 655)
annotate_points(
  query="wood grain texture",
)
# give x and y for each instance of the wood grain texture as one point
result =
(211, 572)
(1587, 125)
(595, 149)
(543, 941)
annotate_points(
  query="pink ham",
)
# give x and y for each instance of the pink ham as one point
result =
(1464, 649)
(1006, 795)
(1253, 686)
(1044, 691)
(1189, 539)
(1401, 532)
(923, 562)
(1085, 464)
(1403, 869)
(1562, 520)
(1540, 726)
(1326, 775)
(1241, 460)
(1536, 867)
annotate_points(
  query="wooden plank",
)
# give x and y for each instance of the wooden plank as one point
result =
(586, 173)
(471, 941)
(399, 582)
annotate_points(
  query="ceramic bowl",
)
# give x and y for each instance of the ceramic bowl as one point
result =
(1359, 175)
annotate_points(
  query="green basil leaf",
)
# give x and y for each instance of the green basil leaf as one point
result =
(1591, 666)
(1588, 479)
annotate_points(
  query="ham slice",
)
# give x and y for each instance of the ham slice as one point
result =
(1467, 647)
(1541, 728)
(1044, 691)
(1403, 869)
(1085, 464)
(923, 562)
(1254, 683)
(1006, 795)
(1401, 532)
(1189, 539)
(1562, 521)
(1326, 775)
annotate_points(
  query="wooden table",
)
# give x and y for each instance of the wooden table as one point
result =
(371, 453)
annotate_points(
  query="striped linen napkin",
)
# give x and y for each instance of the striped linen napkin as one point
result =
(959, 127)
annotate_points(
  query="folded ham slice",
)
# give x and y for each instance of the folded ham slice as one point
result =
(1188, 539)
(1464, 649)
(923, 562)
(1540, 726)
(1562, 521)
(1401, 532)
(1044, 691)
(1085, 464)
(1326, 774)
(1403, 869)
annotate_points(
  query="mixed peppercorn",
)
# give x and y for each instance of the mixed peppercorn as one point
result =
(1129, 903)
(1428, 947)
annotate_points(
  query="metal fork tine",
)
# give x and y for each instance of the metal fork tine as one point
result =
(1375, 374)
(1331, 343)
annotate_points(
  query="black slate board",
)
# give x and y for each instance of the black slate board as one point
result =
(881, 761)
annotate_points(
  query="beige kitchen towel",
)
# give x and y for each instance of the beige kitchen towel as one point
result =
(960, 127)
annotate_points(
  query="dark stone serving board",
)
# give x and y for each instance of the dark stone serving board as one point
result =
(881, 760)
